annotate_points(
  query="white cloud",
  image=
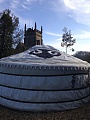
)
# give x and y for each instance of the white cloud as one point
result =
(78, 46)
(82, 47)
(79, 10)
(83, 35)
(12, 5)
(57, 5)
(52, 34)
(82, 39)
(20, 4)
(19, 8)
(82, 6)
(25, 7)
(69, 4)
(17, 5)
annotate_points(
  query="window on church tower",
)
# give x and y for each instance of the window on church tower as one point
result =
(38, 42)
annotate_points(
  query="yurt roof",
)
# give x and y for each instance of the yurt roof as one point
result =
(42, 60)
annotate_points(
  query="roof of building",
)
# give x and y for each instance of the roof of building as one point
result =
(42, 58)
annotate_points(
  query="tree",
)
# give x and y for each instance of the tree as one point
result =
(9, 32)
(83, 55)
(67, 39)
(20, 48)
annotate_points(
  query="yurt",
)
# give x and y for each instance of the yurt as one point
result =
(44, 79)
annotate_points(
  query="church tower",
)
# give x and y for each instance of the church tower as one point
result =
(32, 36)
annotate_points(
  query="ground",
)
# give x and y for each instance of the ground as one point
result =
(82, 113)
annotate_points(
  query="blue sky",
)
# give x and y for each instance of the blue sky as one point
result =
(54, 15)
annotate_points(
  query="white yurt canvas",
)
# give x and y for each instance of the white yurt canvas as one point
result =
(43, 79)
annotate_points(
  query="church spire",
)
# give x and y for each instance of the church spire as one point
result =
(35, 26)
(25, 30)
(41, 29)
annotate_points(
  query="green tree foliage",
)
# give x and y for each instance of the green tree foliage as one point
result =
(10, 35)
(67, 39)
